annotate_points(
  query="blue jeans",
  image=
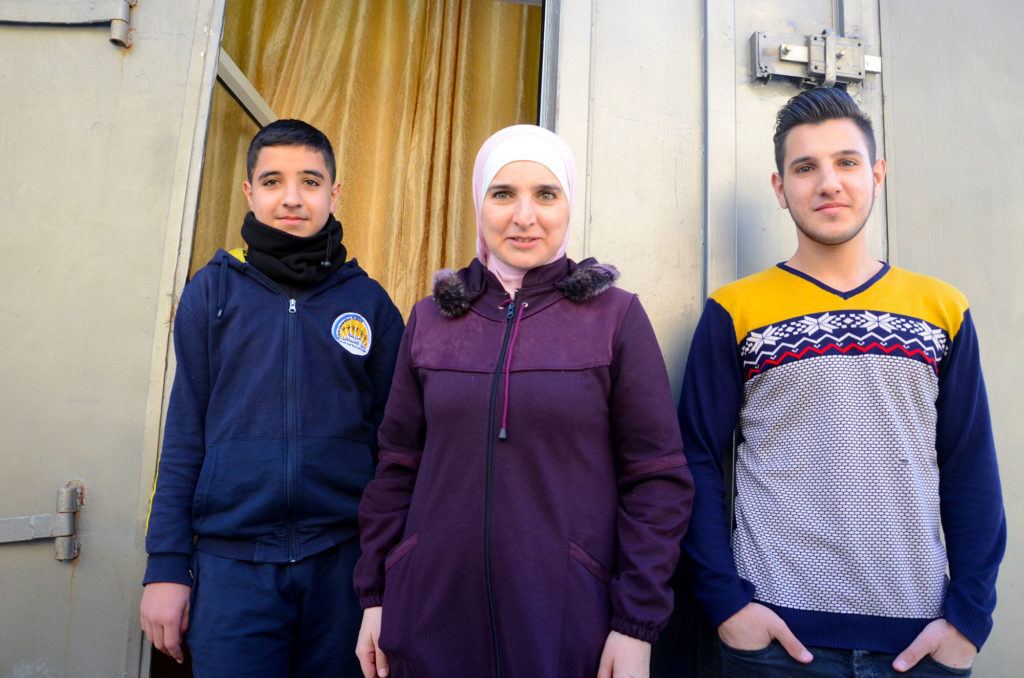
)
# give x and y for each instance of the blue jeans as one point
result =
(774, 662)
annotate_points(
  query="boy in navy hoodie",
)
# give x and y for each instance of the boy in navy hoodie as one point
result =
(285, 355)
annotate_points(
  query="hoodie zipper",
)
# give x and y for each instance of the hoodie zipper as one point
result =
(289, 392)
(289, 402)
(509, 318)
(289, 399)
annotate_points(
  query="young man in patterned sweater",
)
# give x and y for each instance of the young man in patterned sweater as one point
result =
(865, 463)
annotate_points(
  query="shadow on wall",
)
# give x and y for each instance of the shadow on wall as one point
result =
(162, 666)
(686, 647)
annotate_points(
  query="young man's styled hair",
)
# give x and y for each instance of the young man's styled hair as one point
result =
(290, 133)
(816, 106)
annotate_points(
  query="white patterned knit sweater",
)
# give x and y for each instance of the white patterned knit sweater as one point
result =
(862, 436)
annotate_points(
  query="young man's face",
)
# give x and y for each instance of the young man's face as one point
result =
(291, 189)
(828, 183)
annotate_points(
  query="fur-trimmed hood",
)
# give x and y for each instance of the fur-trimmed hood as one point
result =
(454, 292)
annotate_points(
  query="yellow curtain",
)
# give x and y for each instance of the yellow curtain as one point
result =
(406, 91)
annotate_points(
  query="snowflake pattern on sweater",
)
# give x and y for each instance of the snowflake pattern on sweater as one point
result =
(865, 471)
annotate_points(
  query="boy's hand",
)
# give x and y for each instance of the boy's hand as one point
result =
(371, 660)
(164, 616)
(943, 642)
(755, 626)
(624, 657)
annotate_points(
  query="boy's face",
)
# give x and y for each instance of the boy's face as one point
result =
(291, 190)
(829, 183)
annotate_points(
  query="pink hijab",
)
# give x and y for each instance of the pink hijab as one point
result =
(512, 144)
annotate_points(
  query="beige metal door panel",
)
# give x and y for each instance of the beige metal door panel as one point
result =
(955, 120)
(684, 142)
(99, 164)
(673, 137)
(764, 233)
(629, 104)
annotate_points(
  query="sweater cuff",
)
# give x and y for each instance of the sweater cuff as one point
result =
(371, 600)
(727, 601)
(168, 567)
(634, 629)
(968, 620)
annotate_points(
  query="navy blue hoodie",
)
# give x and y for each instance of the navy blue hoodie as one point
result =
(272, 421)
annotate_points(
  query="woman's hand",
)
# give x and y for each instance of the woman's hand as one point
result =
(624, 657)
(371, 660)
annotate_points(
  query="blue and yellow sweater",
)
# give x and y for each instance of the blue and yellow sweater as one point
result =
(273, 414)
(863, 440)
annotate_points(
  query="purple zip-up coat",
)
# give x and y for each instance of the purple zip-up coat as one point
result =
(515, 557)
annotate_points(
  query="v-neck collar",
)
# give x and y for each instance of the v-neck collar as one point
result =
(831, 290)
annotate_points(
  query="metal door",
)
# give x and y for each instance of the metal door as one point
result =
(746, 229)
(948, 119)
(954, 118)
(749, 77)
(671, 127)
(103, 107)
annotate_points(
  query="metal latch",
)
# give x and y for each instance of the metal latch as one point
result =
(818, 60)
(117, 13)
(60, 526)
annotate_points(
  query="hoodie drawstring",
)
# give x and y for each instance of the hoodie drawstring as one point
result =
(222, 286)
(326, 263)
(503, 433)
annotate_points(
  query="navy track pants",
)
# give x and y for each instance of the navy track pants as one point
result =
(270, 620)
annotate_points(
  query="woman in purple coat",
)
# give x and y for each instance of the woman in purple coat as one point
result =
(531, 491)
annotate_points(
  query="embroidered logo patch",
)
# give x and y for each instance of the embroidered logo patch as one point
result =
(353, 333)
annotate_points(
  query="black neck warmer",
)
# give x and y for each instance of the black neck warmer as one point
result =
(292, 260)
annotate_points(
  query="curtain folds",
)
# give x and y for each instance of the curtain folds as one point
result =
(406, 91)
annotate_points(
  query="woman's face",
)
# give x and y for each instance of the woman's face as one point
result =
(525, 214)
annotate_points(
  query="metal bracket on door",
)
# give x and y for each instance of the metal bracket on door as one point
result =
(117, 13)
(60, 526)
(820, 61)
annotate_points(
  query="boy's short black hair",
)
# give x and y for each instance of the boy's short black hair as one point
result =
(816, 106)
(290, 133)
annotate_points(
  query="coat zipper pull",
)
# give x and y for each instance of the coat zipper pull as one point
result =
(291, 306)
(503, 433)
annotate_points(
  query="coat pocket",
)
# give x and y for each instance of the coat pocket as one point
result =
(241, 489)
(401, 550)
(587, 613)
(592, 564)
(400, 599)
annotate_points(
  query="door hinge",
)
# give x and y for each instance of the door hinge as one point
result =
(821, 60)
(61, 526)
(117, 13)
